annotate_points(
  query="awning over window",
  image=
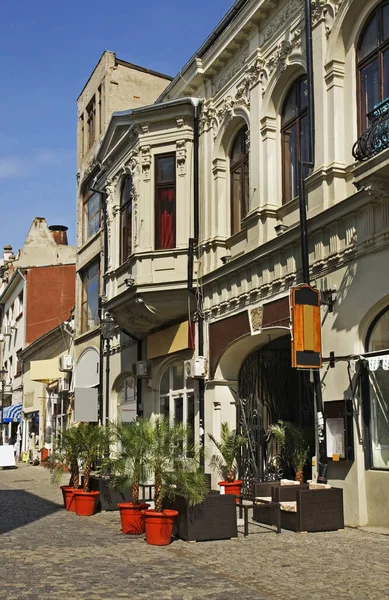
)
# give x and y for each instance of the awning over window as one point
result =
(12, 414)
(45, 371)
(372, 362)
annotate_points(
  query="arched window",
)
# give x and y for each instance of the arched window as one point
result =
(377, 340)
(373, 63)
(239, 175)
(176, 397)
(295, 140)
(126, 219)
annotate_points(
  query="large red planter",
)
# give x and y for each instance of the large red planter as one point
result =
(132, 518)
(85, 502)
(68, 498)
(232, 488)
(159, 526)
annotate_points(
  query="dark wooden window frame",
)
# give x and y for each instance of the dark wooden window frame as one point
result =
(164, 186)
(86, 220)
(378, 52)
(125, 232)
(242, 164)
(91, 121)
(296, 120)
(84, 293)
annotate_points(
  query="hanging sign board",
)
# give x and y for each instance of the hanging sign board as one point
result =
(306, 327)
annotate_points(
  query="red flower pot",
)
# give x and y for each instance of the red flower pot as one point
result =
(232, 488)
(159, 526)
(68, 497)
(132, 517)
(85, 502)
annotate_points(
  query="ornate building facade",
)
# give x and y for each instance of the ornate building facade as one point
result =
(203, 234)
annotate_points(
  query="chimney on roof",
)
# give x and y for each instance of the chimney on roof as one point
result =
(59, 234)
(8, 255)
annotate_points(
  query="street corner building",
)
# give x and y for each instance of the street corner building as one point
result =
(190, 238)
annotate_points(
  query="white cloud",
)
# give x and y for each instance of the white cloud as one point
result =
(21, 166)
(11, 166)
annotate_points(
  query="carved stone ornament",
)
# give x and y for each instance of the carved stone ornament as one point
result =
(146, 162)
(181, 156)
(132, 163)
(376, 188)
(325, 11)
(278, 58)
(279, 21)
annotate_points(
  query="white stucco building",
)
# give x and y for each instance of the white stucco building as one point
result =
(203, 237)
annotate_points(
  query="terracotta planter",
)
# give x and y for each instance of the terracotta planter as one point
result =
(132, 518)
(85, 502)
(232, 488)
(159, 526)
(68, 498)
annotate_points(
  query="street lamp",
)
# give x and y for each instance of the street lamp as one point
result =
(3, 375)
(108, 327)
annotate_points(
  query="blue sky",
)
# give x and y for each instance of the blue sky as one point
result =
(47, 51)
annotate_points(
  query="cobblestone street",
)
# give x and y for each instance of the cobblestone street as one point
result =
(48, 553)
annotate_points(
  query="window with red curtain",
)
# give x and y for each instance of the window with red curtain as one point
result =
(165, 201)
(126, 219)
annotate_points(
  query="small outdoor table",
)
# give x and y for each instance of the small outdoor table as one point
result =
(245, 505)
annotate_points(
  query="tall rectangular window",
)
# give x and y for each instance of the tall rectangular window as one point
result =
(92, 214)
(91, 121)
(90, 297)
(126, 219)
(165, 201)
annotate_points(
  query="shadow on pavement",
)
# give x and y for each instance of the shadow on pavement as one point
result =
(19, 508)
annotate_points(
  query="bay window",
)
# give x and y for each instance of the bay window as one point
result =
(126, 219)
(165, 201)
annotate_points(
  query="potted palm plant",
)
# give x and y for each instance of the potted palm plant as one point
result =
(129, 467)
(93, 443)
(65, 458)
(294, 446)
(173, 473)
(226, 462)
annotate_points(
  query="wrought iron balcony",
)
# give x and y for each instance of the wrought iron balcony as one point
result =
(376, 137)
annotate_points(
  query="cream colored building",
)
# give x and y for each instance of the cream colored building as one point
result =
(210, 171)
(114, 85)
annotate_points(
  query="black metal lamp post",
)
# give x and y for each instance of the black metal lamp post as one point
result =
(108, 327)
(3, 375)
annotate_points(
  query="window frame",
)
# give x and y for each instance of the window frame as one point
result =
(126, 248)
(84, 312)
(175, 393)
(91, 122)
(242, 164)
(368, 409)
(294, 121)
(158, 186)
(86, 218)
(377, 53)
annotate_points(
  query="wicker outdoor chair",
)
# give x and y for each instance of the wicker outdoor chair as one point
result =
(310, 509)
(213, 519)
(263, 512)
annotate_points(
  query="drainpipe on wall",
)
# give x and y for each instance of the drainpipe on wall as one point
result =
(192, 243)
(319, 429)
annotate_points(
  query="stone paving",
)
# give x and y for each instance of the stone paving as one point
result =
(47, 553)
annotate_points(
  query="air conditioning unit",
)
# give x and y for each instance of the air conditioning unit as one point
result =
(8, 381)
(63, 385)
(196, 367)
(7, 330)
(13, 325)
(142, 369)
(65, 362)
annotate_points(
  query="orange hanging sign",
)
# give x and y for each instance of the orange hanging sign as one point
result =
(306, 327)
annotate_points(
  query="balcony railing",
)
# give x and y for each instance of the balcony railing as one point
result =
(376, 137)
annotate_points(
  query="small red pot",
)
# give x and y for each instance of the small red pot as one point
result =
(132, 517)
(68, 498)
(159, 526)
(85, 502)
(232, 488)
